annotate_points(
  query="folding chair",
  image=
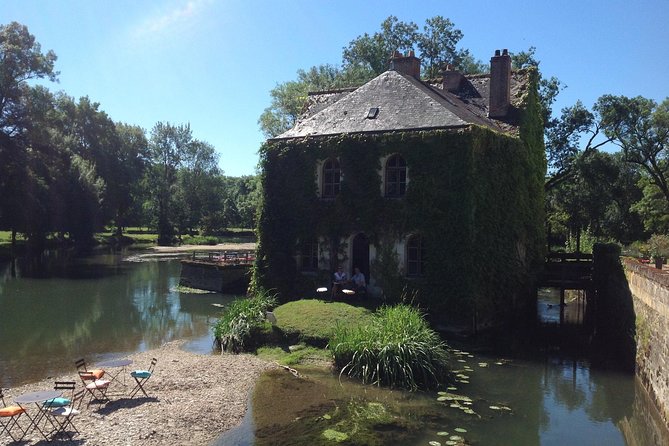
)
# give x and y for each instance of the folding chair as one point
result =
(63, 414)
(97, 388)
(141, 377)
(12, 414)
(81, 366)
(93, 382)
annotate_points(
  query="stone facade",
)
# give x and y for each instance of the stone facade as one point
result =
(650, 292)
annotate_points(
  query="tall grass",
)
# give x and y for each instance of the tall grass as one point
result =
(233, 331)
(397, 349)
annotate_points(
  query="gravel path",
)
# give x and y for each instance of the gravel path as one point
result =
(193, 400)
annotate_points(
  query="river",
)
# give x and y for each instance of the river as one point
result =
(100, 307)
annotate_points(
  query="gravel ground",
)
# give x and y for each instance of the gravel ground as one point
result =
(192, 400)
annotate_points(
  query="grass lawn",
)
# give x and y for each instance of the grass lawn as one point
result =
(315, 320)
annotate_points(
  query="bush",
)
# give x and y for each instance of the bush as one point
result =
(241, 318)
(397, 349)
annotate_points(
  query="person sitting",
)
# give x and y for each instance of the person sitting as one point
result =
(339, 282)
(359, 283)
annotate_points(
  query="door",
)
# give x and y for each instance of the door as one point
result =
(360, 255)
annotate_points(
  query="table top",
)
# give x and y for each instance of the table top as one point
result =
(115, 363)
(37, 397)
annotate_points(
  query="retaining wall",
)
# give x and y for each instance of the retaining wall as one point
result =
(650, 293)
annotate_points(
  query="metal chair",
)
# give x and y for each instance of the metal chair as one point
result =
(63, 414)
(12, 414)
(93, 382)
(141, 377)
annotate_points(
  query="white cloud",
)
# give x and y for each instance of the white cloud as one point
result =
(180, 16)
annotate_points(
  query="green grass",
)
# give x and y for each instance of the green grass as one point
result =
(398, 349)
(314, 321)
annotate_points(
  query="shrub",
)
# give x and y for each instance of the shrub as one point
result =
(234, 330)
(397, 349)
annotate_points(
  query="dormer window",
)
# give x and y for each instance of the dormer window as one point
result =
(331, 178)
(396, 176)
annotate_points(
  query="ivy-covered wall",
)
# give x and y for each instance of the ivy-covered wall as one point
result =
(474, 195)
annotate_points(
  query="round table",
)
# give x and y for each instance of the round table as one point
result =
(38, 398)
(116, 363)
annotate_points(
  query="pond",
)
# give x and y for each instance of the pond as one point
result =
(494, 401)
(58, 309)
(55, 310)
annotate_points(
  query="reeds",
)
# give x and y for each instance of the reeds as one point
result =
(234, 329)
(397, 349)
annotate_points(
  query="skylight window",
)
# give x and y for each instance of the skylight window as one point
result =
(373, 112)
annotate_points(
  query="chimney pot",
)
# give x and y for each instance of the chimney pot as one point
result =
(505, 52)
(500, 85)
(408, 65)
(451, 79)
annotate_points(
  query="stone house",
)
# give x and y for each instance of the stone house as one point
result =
(432, 188)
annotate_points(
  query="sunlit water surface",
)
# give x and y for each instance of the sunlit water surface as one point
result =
(56, 310)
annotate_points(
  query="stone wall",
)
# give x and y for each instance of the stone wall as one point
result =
(650, 292)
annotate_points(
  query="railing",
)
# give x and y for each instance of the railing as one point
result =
(240, 257)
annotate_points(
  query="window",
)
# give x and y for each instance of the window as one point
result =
(331, 178)
(415, 256)
(396, 176)
(309, 256)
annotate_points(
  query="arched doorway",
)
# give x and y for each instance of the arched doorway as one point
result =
(360, 254)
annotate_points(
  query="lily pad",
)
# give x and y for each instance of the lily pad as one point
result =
(451, 443)
(456, 438)
(464, 381)
(460, 430)
(443, 398)
(495, 407)
(483, 364)
(451, 388)
(442, 434)
(461, 360)
(434, 443)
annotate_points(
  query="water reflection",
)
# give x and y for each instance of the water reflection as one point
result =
(552, 401)
(94, 307)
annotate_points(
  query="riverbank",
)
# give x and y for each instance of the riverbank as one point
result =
(193, 400)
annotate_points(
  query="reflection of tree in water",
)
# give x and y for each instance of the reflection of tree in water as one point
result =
(49, 322)
(567, 381)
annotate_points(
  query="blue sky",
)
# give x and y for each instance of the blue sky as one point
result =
(212, 63)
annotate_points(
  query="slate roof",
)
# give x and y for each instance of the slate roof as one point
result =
(404, 103)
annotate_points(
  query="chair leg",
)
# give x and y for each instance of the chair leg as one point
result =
(10, 425)
(139, 386)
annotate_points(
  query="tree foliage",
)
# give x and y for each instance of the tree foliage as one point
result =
(640, 127)
(365, 57)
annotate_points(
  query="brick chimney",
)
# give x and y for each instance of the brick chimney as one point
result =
(408, 64)
(500, 84)
(451, 78)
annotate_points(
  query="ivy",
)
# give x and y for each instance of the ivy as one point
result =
(475, 196)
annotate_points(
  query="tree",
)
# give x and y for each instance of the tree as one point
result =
(167, 149)
(21, 60)
(437, 45)
(640, 127)
(198, 186)
(132, 160)
(373, 52)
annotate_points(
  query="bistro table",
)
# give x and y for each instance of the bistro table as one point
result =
(37, 398)
(119, 364)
